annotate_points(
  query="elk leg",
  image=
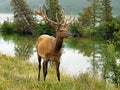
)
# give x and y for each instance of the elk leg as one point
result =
(45, 64)
(39, 67)
(57, 70)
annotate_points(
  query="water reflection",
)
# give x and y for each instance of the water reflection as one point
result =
(90, 48)
(73, 62)
(24, 47)
(6, 45)
(79, 54)
(16, 45)
(110, 57)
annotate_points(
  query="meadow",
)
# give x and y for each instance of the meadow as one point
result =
(17, 74)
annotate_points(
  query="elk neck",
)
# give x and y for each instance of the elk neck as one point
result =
(58, 45)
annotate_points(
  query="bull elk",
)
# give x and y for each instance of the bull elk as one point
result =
(49, 47)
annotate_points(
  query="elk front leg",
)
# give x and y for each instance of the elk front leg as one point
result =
(39, 67)
(45, 64)
(57, 70)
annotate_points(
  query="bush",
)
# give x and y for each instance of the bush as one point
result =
(75, 29)
(8, 27)
(88, 32)
(109, 30)
(78, 30)
(42, 28)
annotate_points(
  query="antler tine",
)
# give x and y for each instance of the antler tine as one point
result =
(43, 14)
(57, 18)
(63, 13)
(49, 20)
(71, 18)
(40, 12)
(63, 16)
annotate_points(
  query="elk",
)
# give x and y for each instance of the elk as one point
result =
(49, 47)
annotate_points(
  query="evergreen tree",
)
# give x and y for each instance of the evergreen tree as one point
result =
(107, 11)
(85, 19)
(102, 11)
(97, 9)
(23, 16)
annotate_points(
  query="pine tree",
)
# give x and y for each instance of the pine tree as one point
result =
(97, 9)
(107, 11)
(85, 19)
(23, 16)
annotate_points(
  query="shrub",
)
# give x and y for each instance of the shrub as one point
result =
(75, 29)
(42, 28)
(8, 27)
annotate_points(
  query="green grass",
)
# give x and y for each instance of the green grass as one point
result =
(16, 74)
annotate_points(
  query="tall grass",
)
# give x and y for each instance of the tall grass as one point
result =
(16, 74)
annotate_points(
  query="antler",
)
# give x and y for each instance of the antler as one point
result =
(69, 19)
(43, 15)
(64, 20)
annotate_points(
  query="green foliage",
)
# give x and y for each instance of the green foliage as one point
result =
(88, 32)
(42, 28)
(109, 30)
(110, 63)
(78, 30)
(75, 27)
(117, 27)
(8, 27)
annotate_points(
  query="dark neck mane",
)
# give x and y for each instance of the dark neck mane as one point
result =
(59, 42)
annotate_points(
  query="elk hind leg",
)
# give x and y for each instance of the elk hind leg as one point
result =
(39, 67)
(45, 64)
(57, 70)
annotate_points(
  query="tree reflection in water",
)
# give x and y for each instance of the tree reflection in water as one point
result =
(24, 47)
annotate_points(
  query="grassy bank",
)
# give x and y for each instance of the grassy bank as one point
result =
(16, 74)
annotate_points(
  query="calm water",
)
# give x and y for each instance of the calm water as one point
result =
(79, 54)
